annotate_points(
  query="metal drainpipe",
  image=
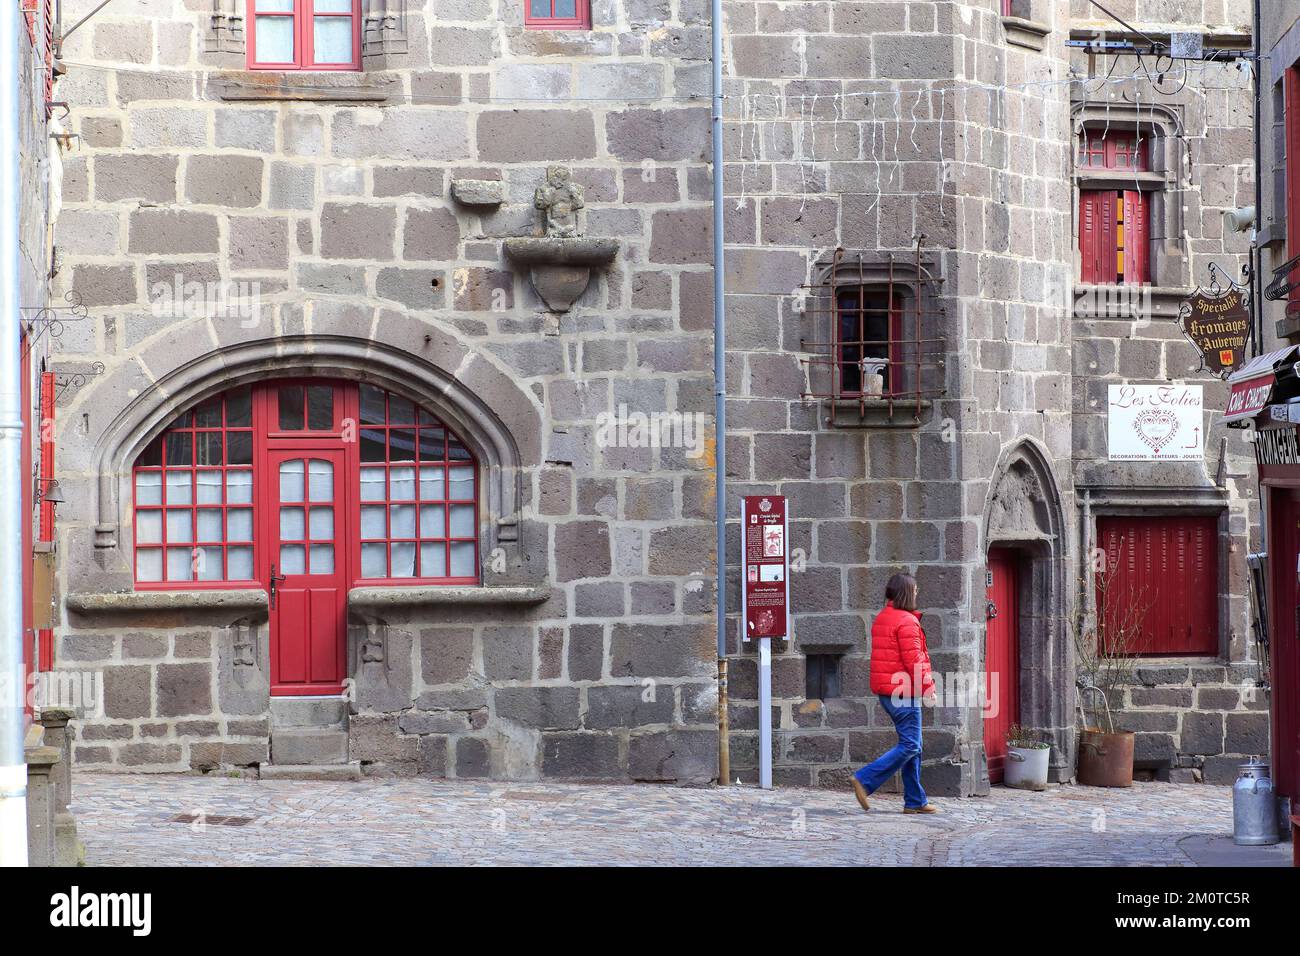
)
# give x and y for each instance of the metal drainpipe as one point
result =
(13, 764)
(719, 397)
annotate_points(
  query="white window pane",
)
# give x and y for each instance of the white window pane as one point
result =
(462, 560)
(566, 8)
(148, 488)
(148, 564)
(178, 487)
(433, 521)
(209, 486)
(208, 564)
(322, 524)
(372, 484)
(433, 483)
(540, 8)
(332, 6)
(148, 527)
(275, 39)
(239, 487)
(239, 564)
(374, 560)
(462, 521)
(462, 484)
(292, 526)
(372, 522)
(433, 560)
(180, 564)
(291, 477)
(210, 524)
(180, 525)
(293, 559)
(320, 478)
(403, 560)
(401, 482)
(332, 39)
(322, 559)
(402, 521)
(274, 6)
(239, 524)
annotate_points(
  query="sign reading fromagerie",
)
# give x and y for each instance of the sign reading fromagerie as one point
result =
(1156, 423)
(765, 566)
(1218, 325)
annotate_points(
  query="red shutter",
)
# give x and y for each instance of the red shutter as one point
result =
(1137, 237)
(1291, 100)
(1162, 579)
(1089, 258)
(45, 636)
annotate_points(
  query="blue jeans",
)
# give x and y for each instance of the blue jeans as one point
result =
(905, 757)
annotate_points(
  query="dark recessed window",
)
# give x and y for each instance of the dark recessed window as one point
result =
(822, 674)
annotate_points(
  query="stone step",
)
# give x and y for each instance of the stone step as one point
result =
(320, 712)
(308, 745)
(329, 771)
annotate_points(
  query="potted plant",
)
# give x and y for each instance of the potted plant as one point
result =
(1026, 766)
(1107, 642)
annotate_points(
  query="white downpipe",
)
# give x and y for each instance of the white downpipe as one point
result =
(13, 764)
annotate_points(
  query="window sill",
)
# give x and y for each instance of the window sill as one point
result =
(1092, 179)
(1026, 33)
(875, 413)
(127, 602)
(376, 598)
(1164, 301)
(328, 87)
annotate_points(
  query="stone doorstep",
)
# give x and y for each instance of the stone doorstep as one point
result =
(336, 771)
(309, 746)
(312, 712)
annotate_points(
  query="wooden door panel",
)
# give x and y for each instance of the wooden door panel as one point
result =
(1001, 658)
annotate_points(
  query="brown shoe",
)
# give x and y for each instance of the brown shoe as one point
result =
(860, 792)
(928, 808)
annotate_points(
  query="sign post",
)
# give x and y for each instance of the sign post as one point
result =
(765, 607)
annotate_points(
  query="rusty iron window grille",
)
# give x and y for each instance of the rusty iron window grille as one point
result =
(880, 351)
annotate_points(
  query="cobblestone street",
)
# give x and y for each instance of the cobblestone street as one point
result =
(130, 820)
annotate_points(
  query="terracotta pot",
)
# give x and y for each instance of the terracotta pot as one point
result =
(1106, 760)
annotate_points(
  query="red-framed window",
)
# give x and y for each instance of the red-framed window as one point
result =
(868, 331)
(557, 14)
(202, 498)
(304, 34)
(1291, 133)
(1160, 584)
(1114, 224)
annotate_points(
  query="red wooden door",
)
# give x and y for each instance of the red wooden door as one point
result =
(307, 569)
(1284, 619)
(1001, 657)
(1161, 583)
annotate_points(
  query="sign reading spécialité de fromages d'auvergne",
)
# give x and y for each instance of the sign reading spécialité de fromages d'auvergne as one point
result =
(1217, 323)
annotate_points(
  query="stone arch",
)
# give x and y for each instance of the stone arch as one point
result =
(132, 404)
(1024, 511)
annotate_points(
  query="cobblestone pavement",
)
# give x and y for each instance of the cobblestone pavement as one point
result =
(128, 820)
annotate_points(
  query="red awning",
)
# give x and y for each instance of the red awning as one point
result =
(1252, 384)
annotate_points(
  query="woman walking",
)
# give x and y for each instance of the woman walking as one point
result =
(900, 676)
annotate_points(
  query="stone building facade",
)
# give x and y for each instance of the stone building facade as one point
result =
(377, 213)
(870, 127)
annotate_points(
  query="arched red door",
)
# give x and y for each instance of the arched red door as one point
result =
(1001, 657)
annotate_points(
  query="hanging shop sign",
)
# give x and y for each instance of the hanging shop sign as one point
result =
(1156, 423)
(765, 566)
(1217, 322)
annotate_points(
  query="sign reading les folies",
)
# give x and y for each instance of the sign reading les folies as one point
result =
(765, 566)
(1219, 326)
(1156, 423)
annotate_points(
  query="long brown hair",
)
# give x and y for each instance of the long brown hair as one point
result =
(901, 592)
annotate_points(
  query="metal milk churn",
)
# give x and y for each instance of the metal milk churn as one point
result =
(1254, 806)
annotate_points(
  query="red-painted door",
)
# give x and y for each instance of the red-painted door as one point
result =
(307, 572)
(1284, 617)
(1001, 657)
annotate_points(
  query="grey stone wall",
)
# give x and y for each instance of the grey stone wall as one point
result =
(335, 195)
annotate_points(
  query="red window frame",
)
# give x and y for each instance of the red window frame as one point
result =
(303, 13)
(1164, 580)
(1291, 133)
(852, 344)
(1114, 224)
(345, 427)
(581, 20)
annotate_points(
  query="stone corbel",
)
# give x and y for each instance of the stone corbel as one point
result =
(560, 269)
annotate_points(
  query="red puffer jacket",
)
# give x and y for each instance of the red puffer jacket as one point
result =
(898, 653)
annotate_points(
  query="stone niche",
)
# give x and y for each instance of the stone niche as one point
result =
(560, 263)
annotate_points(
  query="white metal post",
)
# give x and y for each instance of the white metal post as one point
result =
(765, 713)
(13, 764)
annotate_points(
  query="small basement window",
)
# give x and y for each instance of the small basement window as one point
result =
(822, 676)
